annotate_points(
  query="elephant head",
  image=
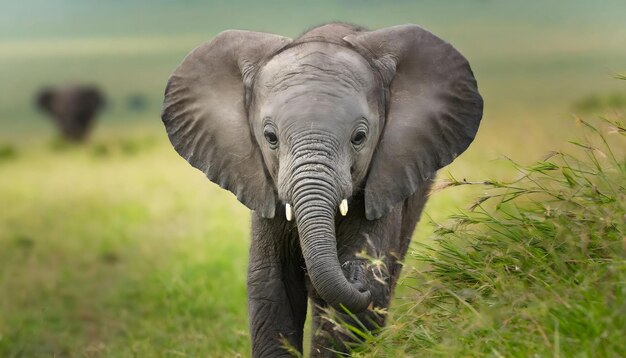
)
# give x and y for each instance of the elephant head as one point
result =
(306, 125)
(72, 107)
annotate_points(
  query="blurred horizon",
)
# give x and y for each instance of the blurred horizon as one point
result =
(546, 55)
(64, 17)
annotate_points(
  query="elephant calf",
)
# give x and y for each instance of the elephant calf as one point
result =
(73, 108)
(333, 140)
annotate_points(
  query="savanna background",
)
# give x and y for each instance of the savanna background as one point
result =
(117, 247)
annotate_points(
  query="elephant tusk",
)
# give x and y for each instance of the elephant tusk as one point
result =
(343, 207)
(288, 212)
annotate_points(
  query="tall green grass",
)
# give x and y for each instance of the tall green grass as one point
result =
(536, 267)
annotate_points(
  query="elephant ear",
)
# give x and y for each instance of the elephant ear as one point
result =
(44, 99)
(434, 110)
(206, 119)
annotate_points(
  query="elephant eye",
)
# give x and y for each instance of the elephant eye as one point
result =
(359, 137)
(270, 136)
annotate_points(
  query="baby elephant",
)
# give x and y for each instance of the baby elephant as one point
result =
(73, 108)
(333, 140)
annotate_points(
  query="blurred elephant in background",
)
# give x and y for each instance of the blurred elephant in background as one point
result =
(73, 108)
(339, 118)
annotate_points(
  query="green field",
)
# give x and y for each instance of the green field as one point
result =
(119, 248)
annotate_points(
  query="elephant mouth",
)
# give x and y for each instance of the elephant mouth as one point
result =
(356, 273)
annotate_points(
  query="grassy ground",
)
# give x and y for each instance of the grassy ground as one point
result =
(119, 248)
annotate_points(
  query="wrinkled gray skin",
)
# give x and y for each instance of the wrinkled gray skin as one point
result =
(339, 113)
(73, 108)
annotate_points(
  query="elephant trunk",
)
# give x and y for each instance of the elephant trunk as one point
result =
(315, 198)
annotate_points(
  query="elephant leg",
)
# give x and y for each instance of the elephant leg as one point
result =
(322, 344)
(330, 337)
(277, 298)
